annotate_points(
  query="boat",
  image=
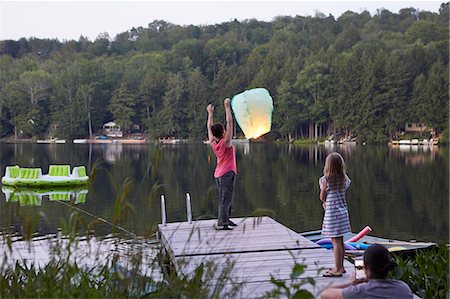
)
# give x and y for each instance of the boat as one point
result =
(80, 141)
(58, 175)
(405, 142)
(33, 196)
(51, 140)
(367, 240)
(413, 142)
(170, 141)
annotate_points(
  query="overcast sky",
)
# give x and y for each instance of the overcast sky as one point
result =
(67, 20)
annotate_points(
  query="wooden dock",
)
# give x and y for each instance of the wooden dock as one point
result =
(253, 251)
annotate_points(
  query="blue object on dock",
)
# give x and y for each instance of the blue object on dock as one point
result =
(329, 246)
(348, 246)
(359, 246)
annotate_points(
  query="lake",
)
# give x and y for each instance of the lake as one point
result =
(402, 193)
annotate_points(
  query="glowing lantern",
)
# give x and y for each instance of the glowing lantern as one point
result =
(253, 111)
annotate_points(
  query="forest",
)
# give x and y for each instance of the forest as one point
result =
(356, 74)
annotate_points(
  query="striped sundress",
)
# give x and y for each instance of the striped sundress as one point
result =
(336, 221)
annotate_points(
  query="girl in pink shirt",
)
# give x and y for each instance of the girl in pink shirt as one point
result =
(220, 140)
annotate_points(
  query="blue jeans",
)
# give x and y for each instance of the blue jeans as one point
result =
(225, 184)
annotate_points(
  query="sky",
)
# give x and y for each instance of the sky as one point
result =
(66, 20)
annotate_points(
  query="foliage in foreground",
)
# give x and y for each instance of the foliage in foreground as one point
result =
(59, 279)
(426, 272)
(297, 284)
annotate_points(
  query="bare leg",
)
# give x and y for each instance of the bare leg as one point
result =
(338, 249)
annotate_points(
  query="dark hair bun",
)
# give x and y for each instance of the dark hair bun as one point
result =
(391, 265)
(379, 261)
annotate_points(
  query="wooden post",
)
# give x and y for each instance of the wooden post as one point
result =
(188, 208)
(163, 210)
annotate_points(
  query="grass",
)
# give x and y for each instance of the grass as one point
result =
(304, 141)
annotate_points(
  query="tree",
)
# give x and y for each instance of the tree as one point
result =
(121, 107)
(198, 95)
(287, 117)
(151, 92)
(84, 95)
(436, 114)
(173, 114)
(35, 84)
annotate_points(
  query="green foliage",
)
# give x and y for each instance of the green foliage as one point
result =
(357, 74)
(121, 107)
(425, 271)
(293, 288)
(304, 141)
(205, 281)
(62, 279)
(445, 136)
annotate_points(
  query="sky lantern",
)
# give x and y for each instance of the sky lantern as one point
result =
(253, 111)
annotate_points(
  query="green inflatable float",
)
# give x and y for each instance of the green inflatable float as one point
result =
(58, 175)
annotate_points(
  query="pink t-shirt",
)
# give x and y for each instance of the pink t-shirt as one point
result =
(226, 158)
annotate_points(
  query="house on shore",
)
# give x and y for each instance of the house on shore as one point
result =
(113, 130)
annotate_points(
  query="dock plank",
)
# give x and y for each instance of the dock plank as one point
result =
(253, 251)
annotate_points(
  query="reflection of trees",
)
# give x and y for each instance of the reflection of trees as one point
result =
(396, 199)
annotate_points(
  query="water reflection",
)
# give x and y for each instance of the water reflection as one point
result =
(415, 155)
(89, 253)
(400, 194)
(113, 152)
(33, 197)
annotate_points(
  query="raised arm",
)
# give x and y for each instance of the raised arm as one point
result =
(229, 118)
(209, 122)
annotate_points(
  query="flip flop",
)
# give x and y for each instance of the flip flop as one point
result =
(332, 269)
(331, 274)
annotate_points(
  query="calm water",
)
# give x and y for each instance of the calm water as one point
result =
(400, 193)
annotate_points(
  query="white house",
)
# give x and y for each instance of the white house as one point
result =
(111, 129)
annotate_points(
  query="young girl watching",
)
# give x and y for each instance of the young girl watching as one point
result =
(336, 221)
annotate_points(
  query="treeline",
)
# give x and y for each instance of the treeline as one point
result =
(359, 73)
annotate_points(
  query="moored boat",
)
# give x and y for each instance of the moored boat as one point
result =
(80, 141)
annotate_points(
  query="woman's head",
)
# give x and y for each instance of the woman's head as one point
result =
(217, 130)
(378, 261)
(335, 170)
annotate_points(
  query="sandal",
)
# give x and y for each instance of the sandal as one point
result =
(332, 274)
(331, 269)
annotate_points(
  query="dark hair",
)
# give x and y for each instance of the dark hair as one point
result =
(217, 130)
(379, 261)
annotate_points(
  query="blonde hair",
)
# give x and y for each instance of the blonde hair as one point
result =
(335, 170)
